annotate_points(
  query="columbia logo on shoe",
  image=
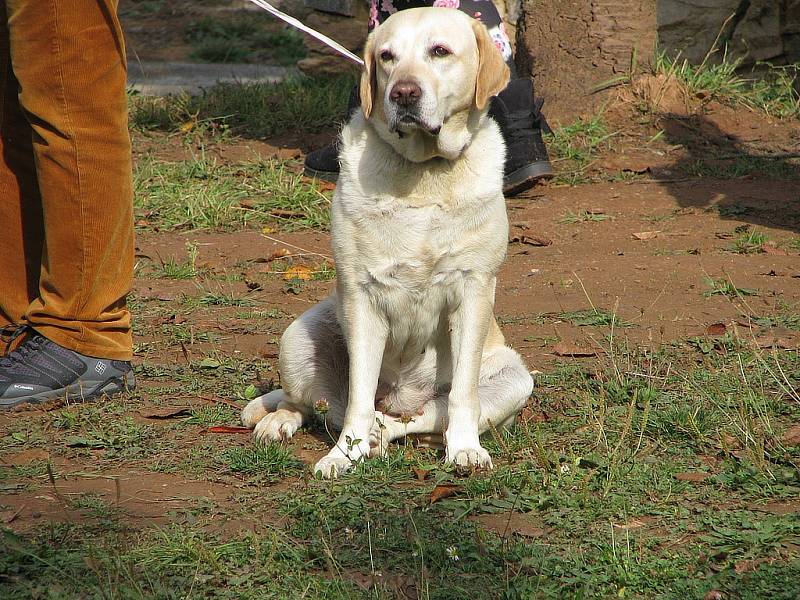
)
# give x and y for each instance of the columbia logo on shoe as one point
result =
(19, 386)
(100, 368)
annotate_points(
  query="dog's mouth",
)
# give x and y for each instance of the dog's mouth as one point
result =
(407, 121)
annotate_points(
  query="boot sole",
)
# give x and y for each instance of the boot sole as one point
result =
(74, 393)
(525, 178)
(329, 176)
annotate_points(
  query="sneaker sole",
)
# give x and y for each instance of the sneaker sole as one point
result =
(329, 176)
(75, 393)
(525, 178)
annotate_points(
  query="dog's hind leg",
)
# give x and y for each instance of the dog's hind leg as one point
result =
(313, 361)
(504, 387)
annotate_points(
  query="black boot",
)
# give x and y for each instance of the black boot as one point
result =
(323, 163)
(522, 123)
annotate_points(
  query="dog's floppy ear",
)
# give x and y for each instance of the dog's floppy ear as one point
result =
(369, 80)
(493, 72)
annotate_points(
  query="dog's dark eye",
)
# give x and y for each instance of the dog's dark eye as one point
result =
(386, 55)
(440, 51)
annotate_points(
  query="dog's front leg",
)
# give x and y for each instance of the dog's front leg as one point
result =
(469, 325)
(366, 333)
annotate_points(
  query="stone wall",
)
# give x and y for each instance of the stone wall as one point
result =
(753, 30)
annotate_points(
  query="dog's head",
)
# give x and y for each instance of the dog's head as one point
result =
(428, 76)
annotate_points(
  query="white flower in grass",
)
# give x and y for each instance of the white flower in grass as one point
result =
(452, 553)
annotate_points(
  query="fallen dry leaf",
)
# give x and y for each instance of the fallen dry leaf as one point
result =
(792, 435)
(228, 429)
(568, 349)
(166, 413)
(714, 595)
(444, 490)
(298, 272)
(421, 474)
(717, 329)
(646, 235)
(694, 477)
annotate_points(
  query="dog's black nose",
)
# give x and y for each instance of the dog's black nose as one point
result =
(405, 93)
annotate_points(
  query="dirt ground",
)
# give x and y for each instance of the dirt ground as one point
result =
(642, 248)
(652, 239)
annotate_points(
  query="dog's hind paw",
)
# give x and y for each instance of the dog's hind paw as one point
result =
(278, 426)
(259, 407)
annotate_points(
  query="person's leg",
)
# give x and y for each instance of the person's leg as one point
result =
(69, 59)
(66, 255)
(20, 206)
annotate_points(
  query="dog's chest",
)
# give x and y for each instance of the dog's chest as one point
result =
(410, 251)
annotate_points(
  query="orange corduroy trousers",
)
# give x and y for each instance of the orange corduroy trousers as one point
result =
(66, 210)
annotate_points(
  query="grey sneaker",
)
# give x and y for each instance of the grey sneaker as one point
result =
(40, 371)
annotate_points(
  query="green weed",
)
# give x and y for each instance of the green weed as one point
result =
(244, 39)
(774, 92)
(592, 317)
(200, 194)
(267, 461)
(584, 216)
(575, 147)
(725, 287)
(302, 104)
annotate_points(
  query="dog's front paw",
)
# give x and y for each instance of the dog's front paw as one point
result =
(469, 457)
(342, 458)
(278, 426)
(330, 467)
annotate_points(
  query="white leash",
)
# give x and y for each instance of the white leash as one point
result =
(305, 28)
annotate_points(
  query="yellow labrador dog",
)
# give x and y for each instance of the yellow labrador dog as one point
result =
(408, 343)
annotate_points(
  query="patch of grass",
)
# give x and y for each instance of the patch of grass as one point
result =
(743, 165)
(119, 436)
(299, 105)
(211, 415)
(201, 194)
(187, 334)
(592, 317)
(775, 92)
(725, 287)
(266, 461)
(787, 320)
(575, 147)
(218, 299)
(270, 313)
(584, 216)
(585, 502)
(250, 38)
(750, 241)
(172, 269)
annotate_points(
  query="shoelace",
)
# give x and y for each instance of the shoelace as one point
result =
(9, 333)
(28, 347)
